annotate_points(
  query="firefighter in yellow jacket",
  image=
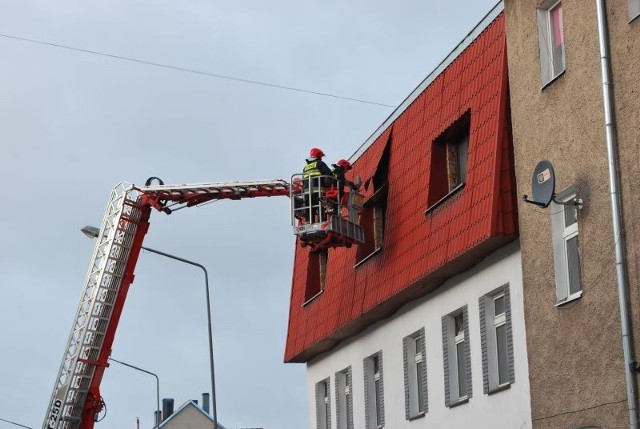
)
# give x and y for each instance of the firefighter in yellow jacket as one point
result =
(316, 176)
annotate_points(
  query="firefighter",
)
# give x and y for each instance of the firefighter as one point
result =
(339, 170)
(316, 176)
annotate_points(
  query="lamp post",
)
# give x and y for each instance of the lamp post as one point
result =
(157, 386)
(93, 232)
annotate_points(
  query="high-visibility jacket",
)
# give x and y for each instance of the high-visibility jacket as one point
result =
(316, 167)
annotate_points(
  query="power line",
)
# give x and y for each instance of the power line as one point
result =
(14, 423)
(193, 71)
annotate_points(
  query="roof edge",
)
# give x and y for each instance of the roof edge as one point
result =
(455, 53)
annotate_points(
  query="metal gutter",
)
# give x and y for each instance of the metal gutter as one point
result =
(618, 237)
(455, 53)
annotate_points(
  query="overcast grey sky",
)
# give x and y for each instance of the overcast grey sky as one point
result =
(74, 124)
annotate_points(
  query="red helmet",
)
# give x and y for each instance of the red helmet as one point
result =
(316, 153)
(344, 164)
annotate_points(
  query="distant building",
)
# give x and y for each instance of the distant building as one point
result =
(189, 415)
(577, 367)
(423, 325)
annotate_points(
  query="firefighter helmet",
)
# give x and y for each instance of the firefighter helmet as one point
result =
(316, 153)
(344, 164)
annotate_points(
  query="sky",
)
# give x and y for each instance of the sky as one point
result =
(94, 93)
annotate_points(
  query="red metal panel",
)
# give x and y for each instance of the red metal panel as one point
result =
(420, 247)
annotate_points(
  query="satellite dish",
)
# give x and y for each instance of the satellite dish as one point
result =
(543, 184)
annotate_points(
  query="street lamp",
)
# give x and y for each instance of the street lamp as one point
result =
(93, 232)
(157, 386)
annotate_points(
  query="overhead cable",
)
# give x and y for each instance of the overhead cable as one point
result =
(188, 70)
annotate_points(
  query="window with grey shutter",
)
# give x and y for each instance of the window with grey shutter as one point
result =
(496, 340)
(344, 399)
(374, 391)
(457, 357)
(415, 375)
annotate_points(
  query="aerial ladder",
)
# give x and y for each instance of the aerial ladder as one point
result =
(320, 220)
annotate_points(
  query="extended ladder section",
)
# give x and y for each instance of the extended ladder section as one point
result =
(324, 215)
(76, 402)
(168, 198)
(75, 391)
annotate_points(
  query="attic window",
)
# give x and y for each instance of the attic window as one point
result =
(374, 213)
(316, 275)
(449, 154)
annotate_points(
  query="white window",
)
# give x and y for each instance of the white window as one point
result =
(497, 343)
(344, 399)
(415, 375)
(457, 357)
(551, 40)
(374, 392)
(323, 405)
(564, 218)
(634, 9)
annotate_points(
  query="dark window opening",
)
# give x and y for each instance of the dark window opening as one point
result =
(449, 154)
(316, 274)
(374, 213)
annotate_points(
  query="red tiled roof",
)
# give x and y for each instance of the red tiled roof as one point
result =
(420, 249)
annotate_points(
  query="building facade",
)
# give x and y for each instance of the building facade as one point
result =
(578, 371)
(423, 325)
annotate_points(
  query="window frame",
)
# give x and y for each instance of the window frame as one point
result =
(546, 39)
(449, 170)
(344, 399)
(489, 324)
(374, 391)
(561, 235)
(455, 357)
(316, 275)
(323, 404)
(634, 9)
(415, 375)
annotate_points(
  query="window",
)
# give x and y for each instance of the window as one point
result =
(551, 40)
(323, 405)
(634, 9)
(374, 392)
(316, 274)
(415, 375)
(449, 154)
(344, 399)
(374, 213)
(564, 218)
(497, 343)
(457, 357)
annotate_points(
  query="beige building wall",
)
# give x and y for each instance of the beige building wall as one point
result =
(575, 350)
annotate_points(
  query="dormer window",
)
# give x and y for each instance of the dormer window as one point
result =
(449, 154)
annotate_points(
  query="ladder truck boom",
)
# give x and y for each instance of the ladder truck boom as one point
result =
(76, 402)
(322, 218)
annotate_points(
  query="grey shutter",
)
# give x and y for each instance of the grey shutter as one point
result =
(445, 359)
(366, 364)
(349, 400)
(483, 341)
(405, 357)
(380, 391)
(318, 409)
(328, 404)
(467, 352)
(336, 389)
(507, 310)
(425, 391)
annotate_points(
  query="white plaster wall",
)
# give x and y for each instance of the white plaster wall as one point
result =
(509, 409)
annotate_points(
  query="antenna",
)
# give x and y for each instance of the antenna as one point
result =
(543, 185)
